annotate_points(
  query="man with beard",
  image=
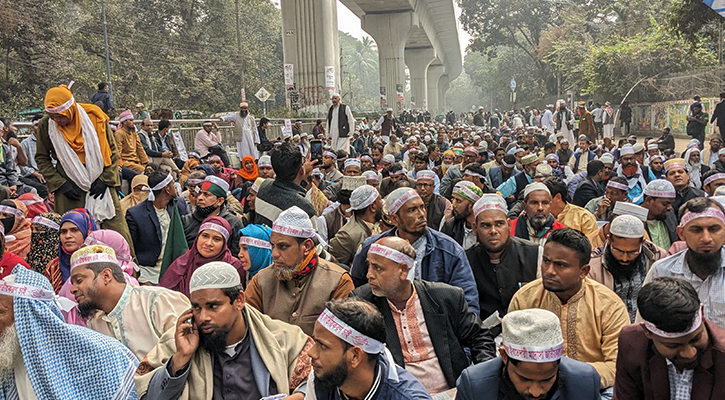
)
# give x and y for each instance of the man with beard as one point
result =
(578, 163)
(564, 211)
(396, 179)
(330, 173)
(637, 176)
(712, 180)
(591, 186)
(264, 167)
(130, 152)
(601, 207)
(501, 263)
(536, 222)
(522, 374)
(367, 207)
(245, 131)
(40, 355)
(592, 314)
(428, 324)
(657, 166)
(599, 237)
(462, 226)
(436, 205)
(340, 122)
(702, 227)
(350, 360)
(624, 260)
(135, 315)
(438, 257)
(675, 353)
(709, 156)
(470, 154)
(211, 201)
(512, 187)
(298, 283)
(446, 162)
(661, 219)
(221, 347)
(501, 174)
(695, 167)
(676, 172)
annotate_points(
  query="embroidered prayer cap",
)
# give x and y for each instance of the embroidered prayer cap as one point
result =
(194, 154)
(370, 175)
(362, 197)
(721, 151)
(519, 150)
(653, 146)
(388, 158)
(624, 208)
(532, 335)
(693, 143)
(468, 190)
(94, 254)
(426, 174)
(489, 201)
(397, 198)
(214, 275)
(552, 156)
(542, 171)
(660, 188)
(638, 147)
(294, 222)
(533, 187)
(265, 161)
(675, 163)
(564, 140)
(627, 226)
(529, 159)
(243, 104)
(657, 157)
(215, 185)
(626, 150)
(352, 161)
(126, 115)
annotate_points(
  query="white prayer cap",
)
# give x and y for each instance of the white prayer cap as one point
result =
(721, 151)
(693, 143)
(316, 172)
(660, 188)
(720, 197)
(370, 175)
(426, 174)
(607, 158)
(624, 208)
(532, 335)
(534, 186)
(638, 147)
(653, 146)
(352, 161)
(265, 161)
(389, 109)
(542, 170)
(389, 158)
(627, 149)
(720, 191)
(334, 94)
(214, 275)
(489, 201)
(362, 197)
(294, 222)
(627, 226)
(528, 159)
(427, 137)
(397, 198)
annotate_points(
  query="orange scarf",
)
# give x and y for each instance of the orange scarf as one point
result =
(22, 232)
(248, 175)
(72, 133)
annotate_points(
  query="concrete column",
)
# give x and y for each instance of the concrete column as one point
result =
(310, 43)
(418, 60)
(390, 32)
(435, 71)
(443, 85)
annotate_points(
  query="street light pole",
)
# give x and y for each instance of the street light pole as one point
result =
(239, 50)
(105, 42)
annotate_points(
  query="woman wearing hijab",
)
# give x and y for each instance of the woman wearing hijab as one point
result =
(34, 203)
(255, 251)
(75, 226)
(17, 228)
(248, 172)
(210, 245)
(45, 240)
(220, 170)
(189, 166)
(138, 195)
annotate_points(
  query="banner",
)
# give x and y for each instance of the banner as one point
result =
(244, 95)
(287, 127)
(330, 78)
(180, 146)
(383, 97)
(399, 92)
(289, 80)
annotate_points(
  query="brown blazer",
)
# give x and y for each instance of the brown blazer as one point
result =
(642, 371)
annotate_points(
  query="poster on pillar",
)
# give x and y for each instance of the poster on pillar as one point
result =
(412, 102)
(289, 81)
(425, 104)
(383, 97)
(330, 78)
(399, 96)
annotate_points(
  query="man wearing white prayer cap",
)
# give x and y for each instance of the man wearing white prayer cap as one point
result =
(245, 131)
(537, 222)
(637, 176)
(676, 352)
(340, 123)
(531, 365)
(439, 258)
(392, 290)
(299, 282)
(625, 258)
(702, 227)
(501, 263)
(367, 211)
(352, 167)
(661, 225)
(372, 178)
(350, 359)
(264, 167)
(222, 345)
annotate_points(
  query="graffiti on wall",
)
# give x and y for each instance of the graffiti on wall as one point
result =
(643, 115)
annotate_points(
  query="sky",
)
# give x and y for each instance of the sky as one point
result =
(350, 24)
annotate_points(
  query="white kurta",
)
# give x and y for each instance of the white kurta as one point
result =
(22, 381)
(339, 143)
(250, 136)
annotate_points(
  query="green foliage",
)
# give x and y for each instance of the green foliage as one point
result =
(360, 73)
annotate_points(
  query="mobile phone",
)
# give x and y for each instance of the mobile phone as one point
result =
(190, 321)
(316, 149)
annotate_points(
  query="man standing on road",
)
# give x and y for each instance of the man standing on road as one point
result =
(696, 123)
(339, 121)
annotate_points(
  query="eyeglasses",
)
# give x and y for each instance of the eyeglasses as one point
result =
(633, 253)
(423, 185)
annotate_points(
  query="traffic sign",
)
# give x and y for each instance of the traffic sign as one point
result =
(262, 94)
(512, 85)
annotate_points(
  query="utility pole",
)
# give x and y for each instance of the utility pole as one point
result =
(239, 50)
(105, 42)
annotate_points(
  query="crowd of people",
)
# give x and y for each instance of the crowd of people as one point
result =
(407, 259)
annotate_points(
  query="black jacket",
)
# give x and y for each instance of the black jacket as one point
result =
(719, 114)
(455, 228)
(275, 196)
(145, 230)
(436, 208)
(451, 326)
(686, 195)
(587, 190)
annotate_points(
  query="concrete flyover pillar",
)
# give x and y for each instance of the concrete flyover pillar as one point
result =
(310, 43)
(443, 85)
(435, 71)
(390, 32)
(418, 60)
